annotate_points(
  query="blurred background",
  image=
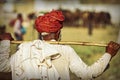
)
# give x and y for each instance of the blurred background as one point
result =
(85, 20)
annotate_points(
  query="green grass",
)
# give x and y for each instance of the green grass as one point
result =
(89, 54)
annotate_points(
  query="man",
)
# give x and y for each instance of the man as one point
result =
(5, 39)
(40, 60)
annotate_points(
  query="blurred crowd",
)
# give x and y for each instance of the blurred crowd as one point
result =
(78, 18)
(20, 25)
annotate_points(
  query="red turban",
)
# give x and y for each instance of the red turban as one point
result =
(50, 22)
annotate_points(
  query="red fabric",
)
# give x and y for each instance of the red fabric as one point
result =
(50, 22)
(6, 36)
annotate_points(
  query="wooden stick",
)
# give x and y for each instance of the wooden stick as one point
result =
(68, 43)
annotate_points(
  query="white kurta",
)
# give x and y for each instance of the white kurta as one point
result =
(4, 56)
(68, 60)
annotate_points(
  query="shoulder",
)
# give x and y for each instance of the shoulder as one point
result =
(65, 49)
(6, 36)
(5, 43)
(25, 44)
(62, 46)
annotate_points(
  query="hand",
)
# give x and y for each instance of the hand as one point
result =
(112, 48)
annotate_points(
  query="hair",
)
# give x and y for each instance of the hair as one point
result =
(2, 28)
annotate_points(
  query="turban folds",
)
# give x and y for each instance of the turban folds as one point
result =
(50, 22)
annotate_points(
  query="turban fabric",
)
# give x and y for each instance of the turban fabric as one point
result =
(50, 22)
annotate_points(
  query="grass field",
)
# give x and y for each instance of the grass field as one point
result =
(89, 54)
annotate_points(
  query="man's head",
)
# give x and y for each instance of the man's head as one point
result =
(2, 29)
(49, 25)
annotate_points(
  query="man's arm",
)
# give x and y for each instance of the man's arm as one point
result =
(84, 71)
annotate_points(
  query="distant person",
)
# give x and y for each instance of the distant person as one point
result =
(3, 34)
(5, 39)
(19, 30)
(38, 60)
